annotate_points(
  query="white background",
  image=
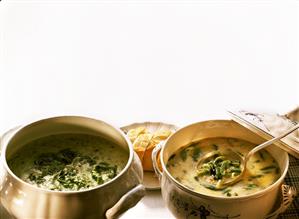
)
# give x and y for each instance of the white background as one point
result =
(132, 61)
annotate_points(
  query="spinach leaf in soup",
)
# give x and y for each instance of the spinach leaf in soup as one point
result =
(183, 154)
(196, 153)
(103, 171)
(71, 162)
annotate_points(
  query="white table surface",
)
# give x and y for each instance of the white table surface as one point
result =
(132, 61)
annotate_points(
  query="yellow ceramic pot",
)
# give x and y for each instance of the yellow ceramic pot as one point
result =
(186, 203)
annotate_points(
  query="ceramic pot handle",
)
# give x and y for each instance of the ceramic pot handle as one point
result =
(288, 195)
(129, 200)
(156, 150)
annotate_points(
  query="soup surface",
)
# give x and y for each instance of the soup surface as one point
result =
(68, 162)
(262, 169)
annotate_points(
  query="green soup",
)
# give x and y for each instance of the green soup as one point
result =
(262, 168)
(68, 162)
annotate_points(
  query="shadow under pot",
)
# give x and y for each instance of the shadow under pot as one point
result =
(68, 167)
(186, 196)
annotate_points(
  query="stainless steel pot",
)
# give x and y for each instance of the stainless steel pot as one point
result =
(108, 200)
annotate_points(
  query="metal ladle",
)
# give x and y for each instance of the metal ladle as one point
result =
(243, 161)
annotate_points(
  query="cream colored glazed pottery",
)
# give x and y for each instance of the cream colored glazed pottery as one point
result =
(185, 203)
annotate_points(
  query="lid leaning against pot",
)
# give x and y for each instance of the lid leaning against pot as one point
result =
(269, 125)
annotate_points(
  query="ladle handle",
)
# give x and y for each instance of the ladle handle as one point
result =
(273, 140)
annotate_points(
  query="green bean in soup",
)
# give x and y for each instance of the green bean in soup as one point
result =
(262, 170)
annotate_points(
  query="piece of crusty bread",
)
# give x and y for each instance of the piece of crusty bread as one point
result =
(144, 142)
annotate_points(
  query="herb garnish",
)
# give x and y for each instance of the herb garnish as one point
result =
(251, 186)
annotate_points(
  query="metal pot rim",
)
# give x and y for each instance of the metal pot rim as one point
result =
(15, 132)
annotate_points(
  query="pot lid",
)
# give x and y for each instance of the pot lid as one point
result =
(269, 125)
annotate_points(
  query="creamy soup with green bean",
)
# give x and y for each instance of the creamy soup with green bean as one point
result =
(68, 162)
(262, 168)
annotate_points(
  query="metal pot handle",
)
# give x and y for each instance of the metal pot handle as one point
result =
(288, 195)
(6, 134)
(129, 200)
(156, 150)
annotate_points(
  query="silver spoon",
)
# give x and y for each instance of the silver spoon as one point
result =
(236, 156)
